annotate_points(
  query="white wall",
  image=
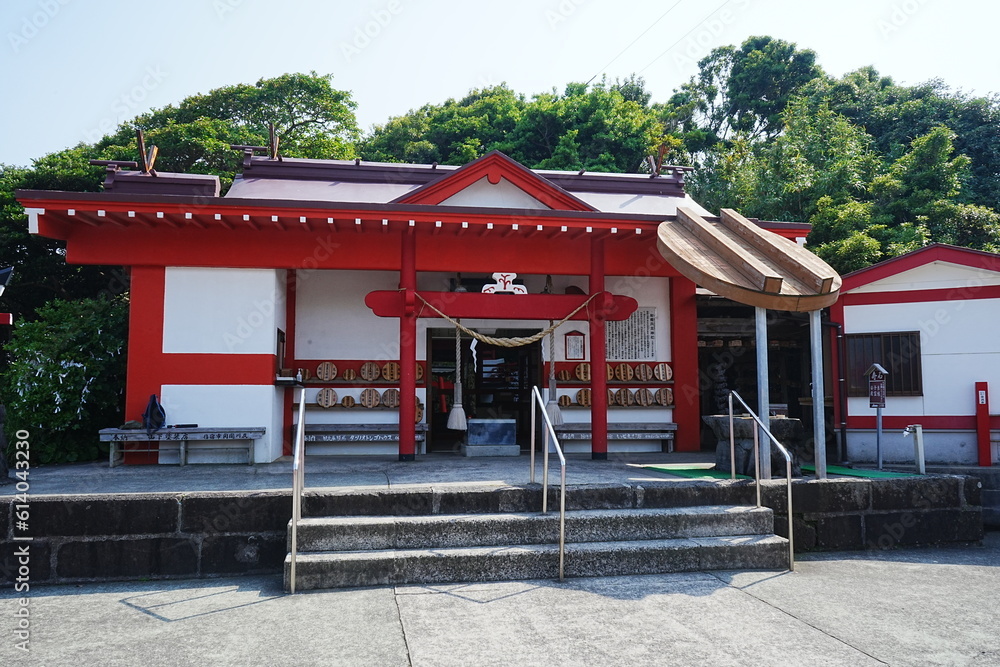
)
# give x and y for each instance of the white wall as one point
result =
(222, 311)
(939, 447)
(959, 346)
(242, 406)
(333, 322)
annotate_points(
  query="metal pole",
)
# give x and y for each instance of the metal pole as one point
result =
(545, 472)
(819, 400)
(878, 435)
(732, 441)
(756, 458)
(918, 448)
(531, 475)
(763, 388)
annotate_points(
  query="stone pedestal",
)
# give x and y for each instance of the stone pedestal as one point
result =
(491, 437)
(788, 431)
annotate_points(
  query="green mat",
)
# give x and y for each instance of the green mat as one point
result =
(854, 472)
(695, 473)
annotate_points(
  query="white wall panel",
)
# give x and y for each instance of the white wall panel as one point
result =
(333, 322)
(237, 406)
(222, 311)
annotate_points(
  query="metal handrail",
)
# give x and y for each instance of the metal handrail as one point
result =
(550, 432)
(298, 482)
(756, 459)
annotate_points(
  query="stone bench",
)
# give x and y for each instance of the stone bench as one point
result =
(357, 432)
(622, 431)
(207, 437)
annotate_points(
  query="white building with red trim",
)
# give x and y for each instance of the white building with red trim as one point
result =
(931, 318)
(342, 269)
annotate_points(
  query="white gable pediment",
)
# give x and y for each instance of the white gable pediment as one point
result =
(484, 194)
(934, 275)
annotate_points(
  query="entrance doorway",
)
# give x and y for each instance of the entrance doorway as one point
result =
(496, 383)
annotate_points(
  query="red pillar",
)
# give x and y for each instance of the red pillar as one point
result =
(145, 341)
(289, 361)
(598, 359)
(983, 423)
(408, 347)
(684, 360)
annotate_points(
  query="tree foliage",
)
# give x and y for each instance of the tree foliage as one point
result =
(66, 377)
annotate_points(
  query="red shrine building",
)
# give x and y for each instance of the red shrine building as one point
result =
(355, 275)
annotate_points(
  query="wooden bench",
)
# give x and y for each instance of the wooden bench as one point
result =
(622, 431)
(208, 438)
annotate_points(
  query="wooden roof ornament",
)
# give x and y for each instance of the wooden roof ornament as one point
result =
(272, 147)
(146, 160)
(738, 260)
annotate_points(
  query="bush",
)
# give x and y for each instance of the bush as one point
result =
(66, 377)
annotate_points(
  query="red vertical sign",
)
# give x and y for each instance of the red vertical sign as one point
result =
(983, 423)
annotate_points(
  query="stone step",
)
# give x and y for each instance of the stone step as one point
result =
(483, 499)
(461, 530)
(537, 561)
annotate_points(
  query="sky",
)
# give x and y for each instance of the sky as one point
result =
(71, 70)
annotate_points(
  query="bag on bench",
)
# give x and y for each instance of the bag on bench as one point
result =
(154, 418)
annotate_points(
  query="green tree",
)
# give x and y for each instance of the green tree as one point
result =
(455, 132)
(66, 376)
(311, 118)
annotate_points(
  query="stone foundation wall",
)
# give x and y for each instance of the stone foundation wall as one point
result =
(850, 514)
(131, 536)
(186, 535)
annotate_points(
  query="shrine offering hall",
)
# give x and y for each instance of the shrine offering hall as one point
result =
(393, 290)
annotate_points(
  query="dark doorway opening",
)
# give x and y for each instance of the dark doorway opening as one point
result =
(496, 383)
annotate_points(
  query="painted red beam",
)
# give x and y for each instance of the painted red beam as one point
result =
(614, 307)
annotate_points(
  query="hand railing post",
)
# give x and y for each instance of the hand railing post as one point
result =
(756, 460)
(536, 398)
(788, 468)
(298, 484)
(531, 475)
(732, 441)
(545, 472)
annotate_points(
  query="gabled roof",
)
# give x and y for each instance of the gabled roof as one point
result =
(495, 167)
(936, 252)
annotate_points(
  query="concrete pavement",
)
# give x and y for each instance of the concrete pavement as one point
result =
(932, 606)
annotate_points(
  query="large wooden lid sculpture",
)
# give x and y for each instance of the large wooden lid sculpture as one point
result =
(738, 260)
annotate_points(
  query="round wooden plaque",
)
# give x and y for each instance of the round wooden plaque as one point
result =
(624, 373)
(370, 371)
(418, 414)
(611, 372)
(665, 396)
(583, 372)
(643, 372)
(326, 398)
(624, 398)
(662, 372)
(643, 397)
(347, 402)
(613, 396)
(420, 371)
(370, 398)
(565, 401)
(391, 371)
(326, 371)
(350, 374)
(390, 398)
(563, 375)
(583, 397)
